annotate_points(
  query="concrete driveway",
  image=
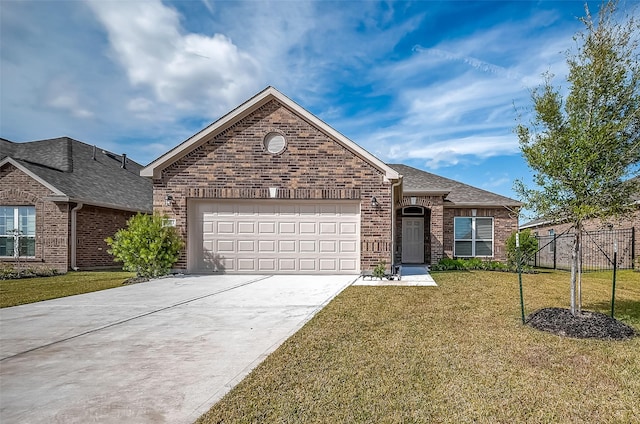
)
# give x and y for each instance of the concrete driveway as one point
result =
(162, 351)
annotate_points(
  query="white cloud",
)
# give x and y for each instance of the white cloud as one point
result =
(192, 72)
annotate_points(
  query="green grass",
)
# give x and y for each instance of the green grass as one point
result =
(456, 353)
(29, 290)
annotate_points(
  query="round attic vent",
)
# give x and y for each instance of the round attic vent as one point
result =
(274, 143)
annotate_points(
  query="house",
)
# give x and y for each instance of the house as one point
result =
(555, 239)
(270, 188)
(64, 197)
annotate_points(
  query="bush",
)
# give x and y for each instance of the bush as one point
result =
(9, 272)
(528, 248)
(146, 247)
(448, 264)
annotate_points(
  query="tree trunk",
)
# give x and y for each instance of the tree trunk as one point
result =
(579, 263)
(574, 267)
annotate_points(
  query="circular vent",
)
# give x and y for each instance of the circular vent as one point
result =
(274, 143)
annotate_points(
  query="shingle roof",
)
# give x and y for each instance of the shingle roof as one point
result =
(68, 165)
(459, 194)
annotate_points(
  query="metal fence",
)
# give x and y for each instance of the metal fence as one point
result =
(554, 251)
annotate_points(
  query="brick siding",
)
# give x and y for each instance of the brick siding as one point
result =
(235, 165)
(93, 225)
(52, 228)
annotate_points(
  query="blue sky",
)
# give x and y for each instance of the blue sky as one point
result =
(435, 85)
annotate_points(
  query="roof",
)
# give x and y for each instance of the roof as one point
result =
(68, 168)
(456, 193)
(155, 168)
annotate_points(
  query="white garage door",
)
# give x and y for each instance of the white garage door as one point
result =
(275, 236)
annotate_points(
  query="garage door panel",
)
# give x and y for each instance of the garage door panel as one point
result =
(266, 264)
(287, 227)
(246, 265)
(225, 227)
(246, 246)
(226, 246)
(328, 265)
(328, 246)
(266, 227)
(269, 236)
(307, 246)
(246, 227)
(307, 265)
(286, 246)
(348, 228)
(266, 246)
(308, 227)
(348, 265)
(287, 264)
(328, 228)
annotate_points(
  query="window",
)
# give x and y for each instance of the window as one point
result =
(552, 241)
(473, 236)
(17, 231)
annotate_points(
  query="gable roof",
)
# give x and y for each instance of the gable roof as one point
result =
(456, 193)
(155, 168)
(68, 168)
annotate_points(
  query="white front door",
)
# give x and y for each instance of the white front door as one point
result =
(413, 240)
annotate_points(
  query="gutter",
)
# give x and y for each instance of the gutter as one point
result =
(393, 221)
(74, 239)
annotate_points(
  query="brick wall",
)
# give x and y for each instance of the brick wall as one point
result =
(564, 245)
(235, 165)
(93, 225)
(433, 226)
(503, 226)
(52, 228)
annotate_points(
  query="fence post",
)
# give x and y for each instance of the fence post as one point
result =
(555, 252)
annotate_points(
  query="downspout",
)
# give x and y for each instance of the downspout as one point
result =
(393, 220)
(74, 239)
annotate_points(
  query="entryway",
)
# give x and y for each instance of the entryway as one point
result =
(412, 240)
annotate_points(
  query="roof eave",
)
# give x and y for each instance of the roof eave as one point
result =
(67, 199)
(426, 192)
(481, 204)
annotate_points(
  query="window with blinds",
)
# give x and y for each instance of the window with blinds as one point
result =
(473, 236)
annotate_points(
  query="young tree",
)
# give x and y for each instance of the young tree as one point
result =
(584, 149)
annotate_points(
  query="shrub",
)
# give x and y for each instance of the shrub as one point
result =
(448, 264)
(380, 270)
(146, 247)
(528, 248)
(9, 272)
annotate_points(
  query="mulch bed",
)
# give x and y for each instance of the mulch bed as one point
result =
(587, 325)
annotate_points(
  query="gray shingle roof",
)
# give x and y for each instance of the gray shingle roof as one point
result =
(68, 165)
(459, 194)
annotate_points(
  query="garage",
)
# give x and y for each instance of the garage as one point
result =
(274, 236)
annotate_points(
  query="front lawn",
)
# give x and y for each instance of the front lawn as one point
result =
(450, 354)
(29, 290)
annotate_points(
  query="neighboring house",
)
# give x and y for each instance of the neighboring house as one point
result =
(270, 188)
(61, 198)
(556, 241)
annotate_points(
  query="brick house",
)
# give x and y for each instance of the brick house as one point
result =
(555, 239)
(269, 187)
(64, 197)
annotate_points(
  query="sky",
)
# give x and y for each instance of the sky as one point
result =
(435, 85)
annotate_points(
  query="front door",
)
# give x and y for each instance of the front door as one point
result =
(413, 240)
